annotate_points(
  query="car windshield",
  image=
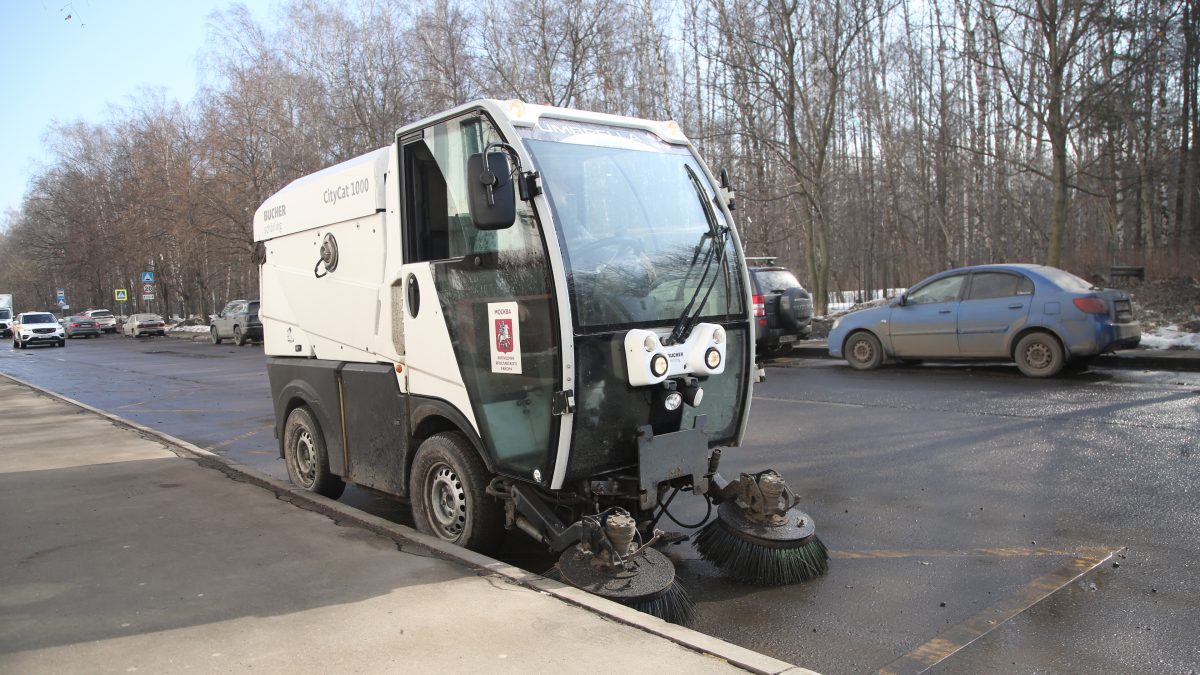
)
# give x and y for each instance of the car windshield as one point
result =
(637, 236)
(776, 280)
(5, 313)
(39, 318)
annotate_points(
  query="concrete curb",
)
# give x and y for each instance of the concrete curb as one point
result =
(404, 536)
(1130, 359)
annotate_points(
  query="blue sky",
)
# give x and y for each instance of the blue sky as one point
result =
(62, 70)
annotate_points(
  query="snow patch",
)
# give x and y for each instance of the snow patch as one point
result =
(1170, 337)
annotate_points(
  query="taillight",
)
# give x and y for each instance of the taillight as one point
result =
(760, 306)
(1091, 305)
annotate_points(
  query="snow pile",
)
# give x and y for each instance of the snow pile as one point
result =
(1170, 337)
(189, 329)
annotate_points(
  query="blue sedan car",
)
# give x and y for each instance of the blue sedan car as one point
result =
(1041, 317)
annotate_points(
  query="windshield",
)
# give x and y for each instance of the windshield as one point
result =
(5, 313)
(39, 318)
(637, 240)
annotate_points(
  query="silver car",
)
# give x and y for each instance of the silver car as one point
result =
(1041, 317)
(138, 325)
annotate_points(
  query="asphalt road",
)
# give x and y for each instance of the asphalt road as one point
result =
(954, 500)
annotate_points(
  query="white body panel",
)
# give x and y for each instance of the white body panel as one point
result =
(325, 316)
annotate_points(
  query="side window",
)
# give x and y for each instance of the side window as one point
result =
(942, 290)
(439, 225)
(987, 285)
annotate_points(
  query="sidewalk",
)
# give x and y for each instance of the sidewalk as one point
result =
(125, 552)
(1147, 359)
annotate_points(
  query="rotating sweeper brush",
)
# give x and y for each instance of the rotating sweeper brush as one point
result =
(760, 535)
(610, 562)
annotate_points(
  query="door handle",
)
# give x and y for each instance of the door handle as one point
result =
(1017, 306)
(414, 296)
(945, 311)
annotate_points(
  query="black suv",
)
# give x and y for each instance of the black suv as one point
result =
(238, 321)
(782, 308)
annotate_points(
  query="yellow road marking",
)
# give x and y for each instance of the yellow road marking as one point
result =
(929, 654)
(1019, 552)
(237, 438)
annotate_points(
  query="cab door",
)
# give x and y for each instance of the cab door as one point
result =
(480, 320)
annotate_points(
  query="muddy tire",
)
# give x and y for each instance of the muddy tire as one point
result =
(238, 338)
(1039, 355)
(448, 486)
(213, 336)
(863, 351)
(306, 457)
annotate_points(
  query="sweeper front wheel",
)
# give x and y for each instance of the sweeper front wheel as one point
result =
(448, 486)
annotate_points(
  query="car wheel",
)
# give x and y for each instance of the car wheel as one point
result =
(863, 351)
(214, 336)
(448, 487)
(17, 344)
(62, 342)
(238, 338)
(305, 455)
(1039, 355)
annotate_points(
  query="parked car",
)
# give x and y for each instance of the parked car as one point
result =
(1041, 317)
(37, 328)
(6, 322)
(782, 308)
(138, 325)
(238, 321)
(81, 326)
(104, 319)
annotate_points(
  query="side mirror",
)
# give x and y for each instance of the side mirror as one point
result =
(490, 191)
(727, 191)
(903, 299)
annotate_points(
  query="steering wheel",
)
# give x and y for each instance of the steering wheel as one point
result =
(591, 255)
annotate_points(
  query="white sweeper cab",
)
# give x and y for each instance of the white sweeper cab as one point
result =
(525, 317)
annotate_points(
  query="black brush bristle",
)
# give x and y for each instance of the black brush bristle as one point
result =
(672, 605)
(752, 563)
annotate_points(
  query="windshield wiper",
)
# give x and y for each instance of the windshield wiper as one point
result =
(716, 251)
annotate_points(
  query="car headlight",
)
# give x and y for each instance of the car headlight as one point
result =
(836, 322)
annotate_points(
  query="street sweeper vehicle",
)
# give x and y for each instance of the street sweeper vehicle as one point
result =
(534, 318)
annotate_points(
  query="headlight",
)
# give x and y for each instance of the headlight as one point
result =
(659, 365)
(712, 358)
(673, 401)
(836, 322)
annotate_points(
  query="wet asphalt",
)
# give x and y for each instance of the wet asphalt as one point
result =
(949, 496)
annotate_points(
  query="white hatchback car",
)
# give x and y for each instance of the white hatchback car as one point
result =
(37, 328)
